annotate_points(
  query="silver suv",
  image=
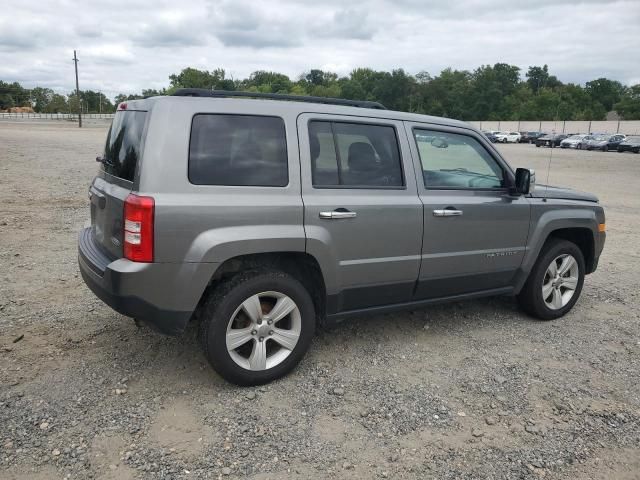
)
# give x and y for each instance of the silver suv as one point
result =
(263, 218)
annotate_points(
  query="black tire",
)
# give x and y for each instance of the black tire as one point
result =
(537, 145)
(530, 298)
(219, 307)
(636, 150)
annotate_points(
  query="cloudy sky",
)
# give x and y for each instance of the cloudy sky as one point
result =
(127, 45)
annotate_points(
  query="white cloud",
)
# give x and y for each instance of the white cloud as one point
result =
(128, 45)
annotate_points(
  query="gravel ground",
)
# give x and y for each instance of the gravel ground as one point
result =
(466, 390)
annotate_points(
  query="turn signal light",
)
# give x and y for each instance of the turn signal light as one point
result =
(138, 228)
(602, 228)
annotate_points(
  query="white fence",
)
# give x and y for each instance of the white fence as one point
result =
(628, 127)
(56, 116)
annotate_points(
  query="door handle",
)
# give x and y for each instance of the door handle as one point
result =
(337, 215)
(447, 212)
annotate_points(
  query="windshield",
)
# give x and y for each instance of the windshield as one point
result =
(576, 137)
(122, 150)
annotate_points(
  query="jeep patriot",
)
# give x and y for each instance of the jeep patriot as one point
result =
(263, 216)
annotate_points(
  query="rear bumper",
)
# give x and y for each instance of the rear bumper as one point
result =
(163, 295)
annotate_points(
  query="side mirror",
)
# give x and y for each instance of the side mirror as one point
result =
(525, 181)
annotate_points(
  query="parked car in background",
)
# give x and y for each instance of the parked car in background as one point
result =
(491, 136)
(572, 141)
(510, 137)
(604, 142)
(630, 144)
(530, 137)
(551, 140)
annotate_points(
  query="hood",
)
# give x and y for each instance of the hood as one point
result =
(631, 142)
(544, 191)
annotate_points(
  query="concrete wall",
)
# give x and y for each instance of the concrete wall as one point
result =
(628, 127)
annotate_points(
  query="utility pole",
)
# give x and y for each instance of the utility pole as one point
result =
(75, 61)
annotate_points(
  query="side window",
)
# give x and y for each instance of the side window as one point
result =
(451, 160)
(354, 155)
(239, 150)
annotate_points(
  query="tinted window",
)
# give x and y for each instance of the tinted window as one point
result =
(354, 155)
(240, 150)
(122, 150)
(450, 160)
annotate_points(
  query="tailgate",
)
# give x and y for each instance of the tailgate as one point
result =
(114, 182)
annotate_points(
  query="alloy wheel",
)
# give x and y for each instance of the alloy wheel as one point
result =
(263, 331)
(560, 281)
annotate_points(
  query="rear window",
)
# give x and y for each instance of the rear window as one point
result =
(238, 150)
(122, 150)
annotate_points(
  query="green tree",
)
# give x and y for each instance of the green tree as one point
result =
(194, 78)
(629, 105)
(57, 104)
(539, 77)
(607, 92)
(268, 82)
(41, 98)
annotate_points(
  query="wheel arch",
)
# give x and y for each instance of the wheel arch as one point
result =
(300, 265)
(579, 226)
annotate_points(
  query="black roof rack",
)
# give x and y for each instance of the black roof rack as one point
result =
(203, 92)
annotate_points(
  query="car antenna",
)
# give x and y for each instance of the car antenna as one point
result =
(551, 147)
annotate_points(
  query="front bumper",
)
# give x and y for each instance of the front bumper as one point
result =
(159, 294)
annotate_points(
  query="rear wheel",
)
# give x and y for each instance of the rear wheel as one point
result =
(555, 282)
(257, 327)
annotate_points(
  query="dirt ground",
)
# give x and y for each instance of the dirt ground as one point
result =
(467, 390)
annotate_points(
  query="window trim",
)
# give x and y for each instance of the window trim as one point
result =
(231, 114)
(506, 171)
(331, 122)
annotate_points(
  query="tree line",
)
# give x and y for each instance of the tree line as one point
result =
(490, 92)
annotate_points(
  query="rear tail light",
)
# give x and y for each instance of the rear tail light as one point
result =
(138, 228)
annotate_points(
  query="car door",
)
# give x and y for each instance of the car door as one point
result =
(362, 214)
(475, 231)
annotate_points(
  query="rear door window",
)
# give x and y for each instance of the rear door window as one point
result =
(352, 155)
(123, 148)
(238, 150)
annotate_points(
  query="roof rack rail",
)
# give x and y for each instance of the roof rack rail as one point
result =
(203, 92)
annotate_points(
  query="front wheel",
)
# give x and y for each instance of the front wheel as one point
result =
(555, 282)
(257, 326)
